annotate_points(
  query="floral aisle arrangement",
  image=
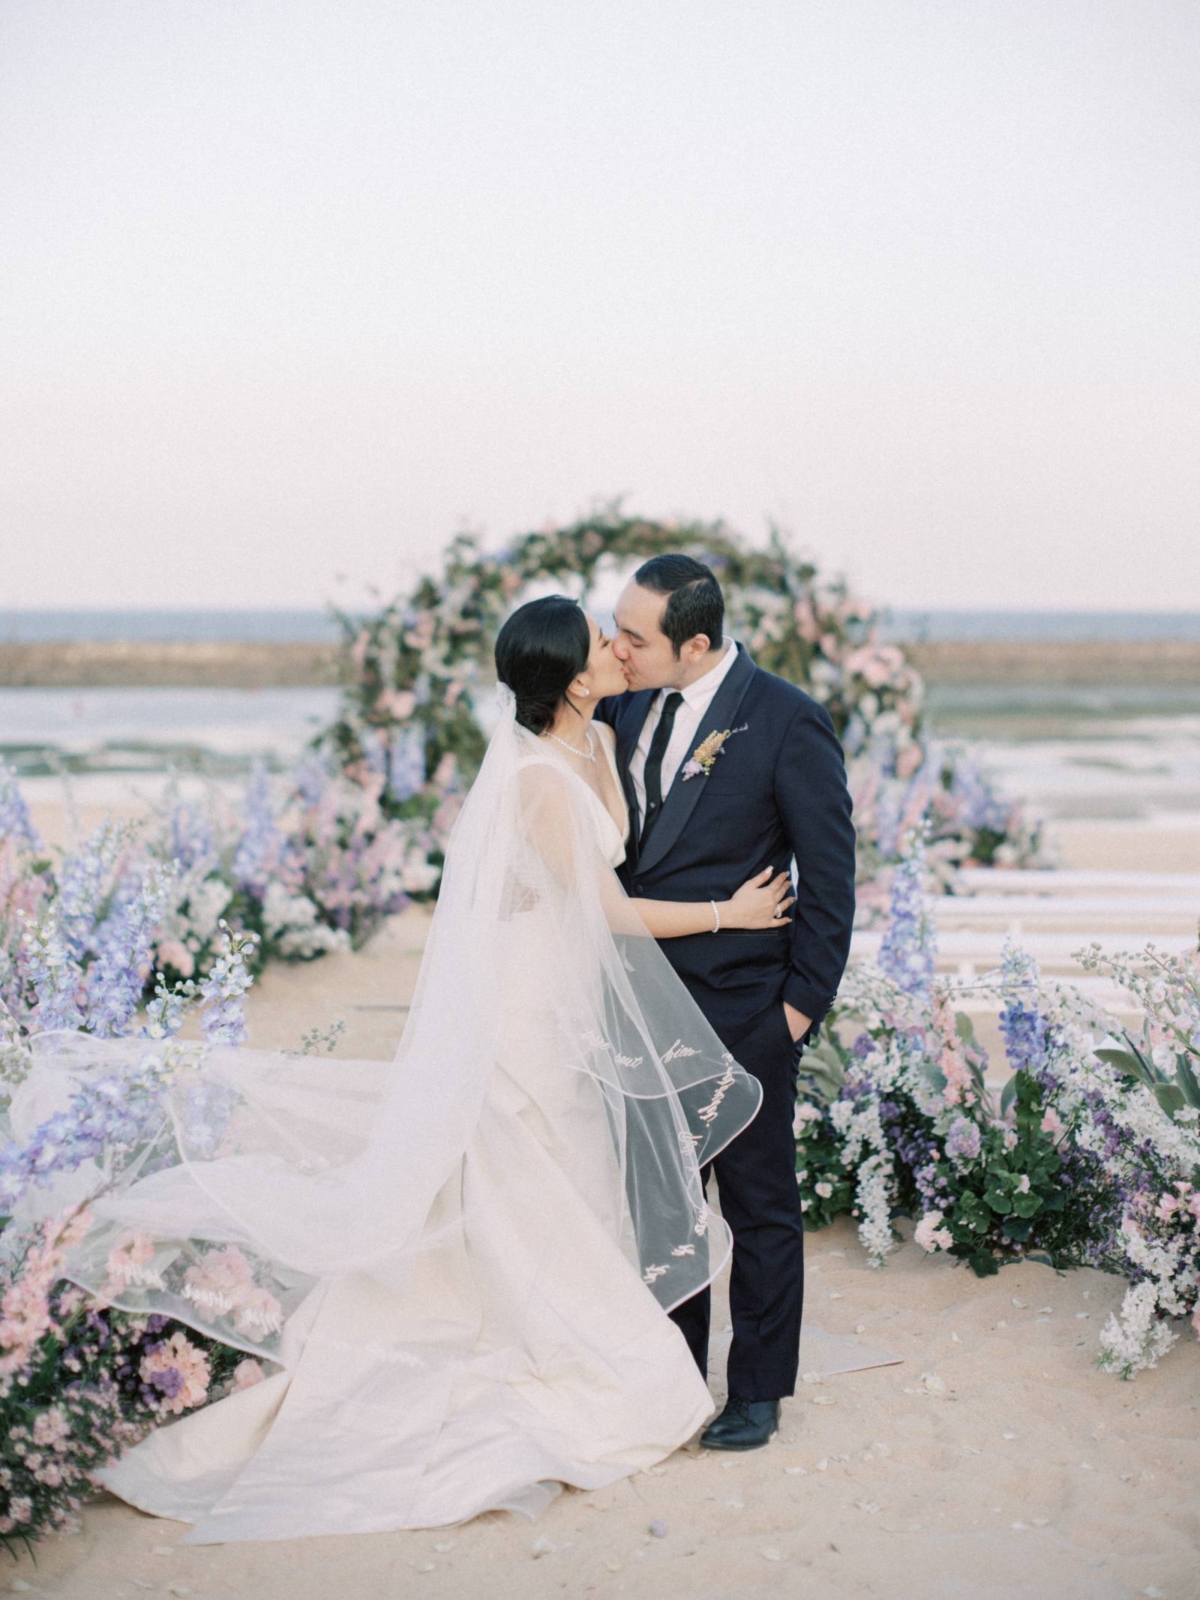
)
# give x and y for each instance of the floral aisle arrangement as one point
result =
(309, 864)
(81, 1379)
(1089, 1156)
(412, 673)
(966, 821)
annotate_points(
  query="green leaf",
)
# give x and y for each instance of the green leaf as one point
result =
(984, 1264)
(1007, 1093)
(998, 1201)
(964, 1027)
(1124, 1061)
(1027, 1205)
(1187, 1079)
(1170, 1097)
(1017, 1231)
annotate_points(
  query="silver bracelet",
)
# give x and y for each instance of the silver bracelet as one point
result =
(716, 927)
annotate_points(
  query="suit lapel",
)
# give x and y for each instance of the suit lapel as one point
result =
(684, 792)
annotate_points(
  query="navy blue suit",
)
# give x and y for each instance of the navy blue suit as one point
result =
(777, 792)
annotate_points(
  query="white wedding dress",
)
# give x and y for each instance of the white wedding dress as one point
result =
(529, 1355)
(461, 1261)
(471, 1250)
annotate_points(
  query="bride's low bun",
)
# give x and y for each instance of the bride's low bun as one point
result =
(540, 651)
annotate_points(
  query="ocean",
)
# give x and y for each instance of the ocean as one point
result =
(1121, 751)
(316, 627)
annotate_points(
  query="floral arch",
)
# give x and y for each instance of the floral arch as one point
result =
(413, 671)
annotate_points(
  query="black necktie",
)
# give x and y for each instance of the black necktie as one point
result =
(654, 761)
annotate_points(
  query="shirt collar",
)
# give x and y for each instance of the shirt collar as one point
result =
(698, 694)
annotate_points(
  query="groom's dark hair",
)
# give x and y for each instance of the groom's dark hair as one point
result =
(695, 603)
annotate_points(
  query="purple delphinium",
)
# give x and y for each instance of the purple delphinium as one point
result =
(264, 853)
(123, 941)
(1021, 1023)
(909, 946)
(192, 840)
(981, 806)
(85, 885)
(222, 992)
(406, 764)
(56, 977)
(963, 1140)
(104, 1115)
(15, 820)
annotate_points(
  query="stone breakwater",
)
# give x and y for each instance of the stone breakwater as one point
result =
(127, 664)
(117, 663)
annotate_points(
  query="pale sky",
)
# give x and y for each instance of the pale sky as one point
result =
(296, 289)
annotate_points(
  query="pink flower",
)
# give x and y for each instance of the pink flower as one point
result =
(929, 1236)
(50, 1427)
(258, 1314)
(1052, 1123)
(171, 953)
(180, 1355)
(219, 1281)
(1167, 1207)
(247, 1373)
(25, 1314)
(1193, 1206)
(127, 1264)
(908, 760)
(806, 621)
(397, 703)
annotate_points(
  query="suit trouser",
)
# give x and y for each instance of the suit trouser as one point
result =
(760, 1200)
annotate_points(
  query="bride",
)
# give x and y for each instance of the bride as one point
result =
(461, 1261)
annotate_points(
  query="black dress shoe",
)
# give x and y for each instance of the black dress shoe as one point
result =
(743, 1425)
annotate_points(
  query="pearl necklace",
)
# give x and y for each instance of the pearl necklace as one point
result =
(585, 755)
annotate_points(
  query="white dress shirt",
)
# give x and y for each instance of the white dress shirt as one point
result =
(697, 698)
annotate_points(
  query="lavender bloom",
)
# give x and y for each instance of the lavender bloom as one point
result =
(312, 778)
(106, 1115)
(909, 946)
(963, 1140)
(223, 990)
(15, 821)
(85, 884)
(262, 850)
(1023, 1028)
(123, 942)
(56, 976)
(166, 1012)
(406, 768)
(192, 841)
(981, 806)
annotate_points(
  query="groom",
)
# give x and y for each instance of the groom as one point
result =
(701, 823)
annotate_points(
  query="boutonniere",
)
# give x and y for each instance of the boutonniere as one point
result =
(707, 751)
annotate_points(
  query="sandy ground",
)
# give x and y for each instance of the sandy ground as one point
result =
(995, 1463)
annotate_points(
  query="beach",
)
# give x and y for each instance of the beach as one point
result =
(995, 1462)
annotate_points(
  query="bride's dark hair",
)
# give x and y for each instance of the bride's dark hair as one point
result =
(540, 651)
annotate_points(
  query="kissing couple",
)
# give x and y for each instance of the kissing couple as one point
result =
(482, 1269)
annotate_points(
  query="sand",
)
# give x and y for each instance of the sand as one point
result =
(997, 1462)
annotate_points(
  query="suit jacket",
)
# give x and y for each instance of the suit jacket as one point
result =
(777, 792)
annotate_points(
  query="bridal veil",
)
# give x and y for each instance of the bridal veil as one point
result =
(258, 1174)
